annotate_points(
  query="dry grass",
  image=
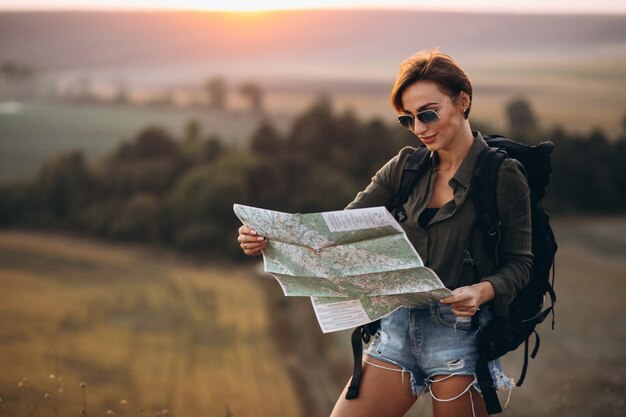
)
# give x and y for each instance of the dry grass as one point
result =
(135, 326)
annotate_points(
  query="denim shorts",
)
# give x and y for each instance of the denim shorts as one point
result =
(429, 340)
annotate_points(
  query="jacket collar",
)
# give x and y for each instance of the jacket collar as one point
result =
(465, 172)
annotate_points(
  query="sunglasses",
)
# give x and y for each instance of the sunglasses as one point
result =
(428, 117)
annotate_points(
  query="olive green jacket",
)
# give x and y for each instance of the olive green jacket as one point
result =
(453, 234)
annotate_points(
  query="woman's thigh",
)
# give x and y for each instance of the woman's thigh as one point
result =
(384, 392)
(455, 396)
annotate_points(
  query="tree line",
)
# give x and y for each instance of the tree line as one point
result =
(179, 191)
(20, 80)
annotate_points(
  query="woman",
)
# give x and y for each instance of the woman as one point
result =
(433, 348)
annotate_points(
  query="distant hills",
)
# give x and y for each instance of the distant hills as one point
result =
(362, 46)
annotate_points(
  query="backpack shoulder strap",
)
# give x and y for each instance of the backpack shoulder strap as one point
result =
(485, 201)
(485, 195)
(413, 169)
(360, 333)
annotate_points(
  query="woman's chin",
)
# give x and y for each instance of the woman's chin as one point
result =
(431, 146)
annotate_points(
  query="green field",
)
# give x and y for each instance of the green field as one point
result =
(161, 332)
(35, 132)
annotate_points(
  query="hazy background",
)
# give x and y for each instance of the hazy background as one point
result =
(571, 68)
(125, 138)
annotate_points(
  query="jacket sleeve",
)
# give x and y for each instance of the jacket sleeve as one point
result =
(516, 258)
(384, 184)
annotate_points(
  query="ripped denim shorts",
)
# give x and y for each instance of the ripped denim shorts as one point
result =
(429, 340)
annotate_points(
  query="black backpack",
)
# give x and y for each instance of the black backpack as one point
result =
(502, 334)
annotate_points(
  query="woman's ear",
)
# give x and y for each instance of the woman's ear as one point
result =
(464, 100)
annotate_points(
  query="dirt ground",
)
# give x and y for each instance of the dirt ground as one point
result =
(581, 366)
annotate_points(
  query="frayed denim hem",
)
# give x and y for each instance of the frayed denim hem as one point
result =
(416, 389)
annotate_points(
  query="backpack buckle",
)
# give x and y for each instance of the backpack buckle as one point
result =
(401, 215)
(467, 258)
(494, 229)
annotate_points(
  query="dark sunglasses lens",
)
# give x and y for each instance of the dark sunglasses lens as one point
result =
(406, 121)
(428, 117)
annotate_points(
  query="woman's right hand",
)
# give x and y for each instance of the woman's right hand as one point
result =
(250, 242)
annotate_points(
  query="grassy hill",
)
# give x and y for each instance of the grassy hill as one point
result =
(134, 325)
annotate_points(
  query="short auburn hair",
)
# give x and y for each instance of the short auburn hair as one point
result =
(431, 65)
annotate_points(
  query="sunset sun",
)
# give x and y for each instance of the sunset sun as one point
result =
(230, 6)
(247, 5)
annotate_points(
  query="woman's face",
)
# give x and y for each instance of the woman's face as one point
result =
(426, 95)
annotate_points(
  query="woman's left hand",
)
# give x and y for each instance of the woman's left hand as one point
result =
(465, 301)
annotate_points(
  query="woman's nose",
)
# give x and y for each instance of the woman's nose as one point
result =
(419, 127)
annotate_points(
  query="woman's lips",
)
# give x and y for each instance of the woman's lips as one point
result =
(428, 139)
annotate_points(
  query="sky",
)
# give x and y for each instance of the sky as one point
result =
(508, 6)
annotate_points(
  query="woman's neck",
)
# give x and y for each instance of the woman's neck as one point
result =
(451, 159)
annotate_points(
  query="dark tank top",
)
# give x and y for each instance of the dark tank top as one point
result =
(426, 216)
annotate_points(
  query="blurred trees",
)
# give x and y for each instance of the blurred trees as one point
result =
(201, 204)
(64, 184)
(265, 139)
(254, 94)
(179, 191)
(521, 119)
(16, 71)
(217, 91)
(589, 174)
(150, 163)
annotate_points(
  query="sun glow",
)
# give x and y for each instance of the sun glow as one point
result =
(223, 6)
(239, 5)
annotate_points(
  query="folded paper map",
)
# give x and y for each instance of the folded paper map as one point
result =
(356, 265)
